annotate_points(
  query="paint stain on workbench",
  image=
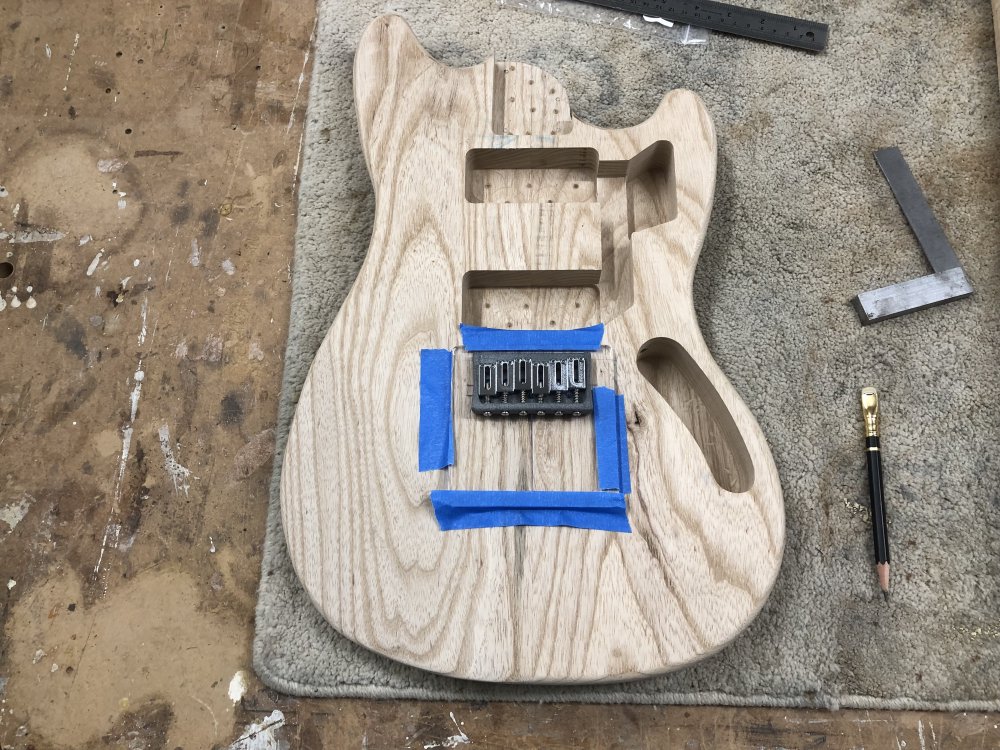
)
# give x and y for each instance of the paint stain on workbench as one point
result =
(64, 396)
(134, 497)
(265, 734)
(249, 35)
(13, 513)
(258, 452)
(231, 412)
(180, 214)
(107, 442)
(70, 333)
(178, 473)
(147, 727)
(209, 219)
(69, 188)
(75, 512)
(102, 650)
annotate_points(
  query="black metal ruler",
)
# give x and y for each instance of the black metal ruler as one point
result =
(730, 19)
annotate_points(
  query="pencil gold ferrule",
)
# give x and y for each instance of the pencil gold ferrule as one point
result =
(869, 408)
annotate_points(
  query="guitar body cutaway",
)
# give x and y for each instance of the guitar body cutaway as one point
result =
(495, 207)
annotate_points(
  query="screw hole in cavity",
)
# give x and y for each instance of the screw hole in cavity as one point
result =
(6, 269)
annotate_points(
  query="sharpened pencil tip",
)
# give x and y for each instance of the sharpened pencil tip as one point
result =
(883, 578)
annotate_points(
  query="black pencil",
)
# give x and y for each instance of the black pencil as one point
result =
(873, 452)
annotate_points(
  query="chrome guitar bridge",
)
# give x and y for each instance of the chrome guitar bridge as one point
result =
(525, 384)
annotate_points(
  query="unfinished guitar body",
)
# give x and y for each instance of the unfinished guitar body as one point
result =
(495, 207)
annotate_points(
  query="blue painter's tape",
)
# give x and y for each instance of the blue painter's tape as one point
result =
(478, 339)
(624, 471)
(528, 499)
(606, 439)
(465, 509)
(611, 441)
(437, 433)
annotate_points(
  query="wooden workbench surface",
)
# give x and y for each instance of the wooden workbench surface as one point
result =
(149, 160)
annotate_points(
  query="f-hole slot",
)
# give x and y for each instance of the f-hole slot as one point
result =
(680, 381)
(651, 186)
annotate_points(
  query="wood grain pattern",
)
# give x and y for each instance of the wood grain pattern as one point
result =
(495, 206)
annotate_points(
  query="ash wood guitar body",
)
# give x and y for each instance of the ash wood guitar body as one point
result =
(496, 207)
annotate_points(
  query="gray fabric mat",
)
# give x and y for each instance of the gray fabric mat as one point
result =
(802, 221)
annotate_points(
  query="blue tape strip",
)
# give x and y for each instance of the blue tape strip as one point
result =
(606, 439)
(611, 441)
(437, 433)
(624, 472)
(478, 339)
(465, 509)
